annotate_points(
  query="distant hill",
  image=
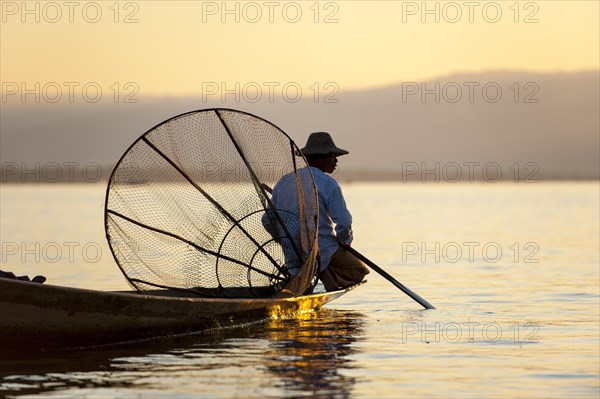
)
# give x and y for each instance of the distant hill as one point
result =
(539, 125)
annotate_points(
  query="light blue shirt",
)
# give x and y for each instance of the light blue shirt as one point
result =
(335, 221)
(293, 225)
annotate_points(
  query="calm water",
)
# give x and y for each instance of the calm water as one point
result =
(512, 268)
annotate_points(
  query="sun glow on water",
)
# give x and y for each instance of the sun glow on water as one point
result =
(523, 322)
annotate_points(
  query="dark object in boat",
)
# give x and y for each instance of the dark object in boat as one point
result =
(12, 276)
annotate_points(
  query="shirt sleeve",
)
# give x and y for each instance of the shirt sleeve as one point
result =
(340, 216)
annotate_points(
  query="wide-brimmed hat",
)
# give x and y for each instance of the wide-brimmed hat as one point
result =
(321, 143)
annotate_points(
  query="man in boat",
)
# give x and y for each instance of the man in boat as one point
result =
(339, 268)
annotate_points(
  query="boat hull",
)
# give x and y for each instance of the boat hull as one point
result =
(54, 316)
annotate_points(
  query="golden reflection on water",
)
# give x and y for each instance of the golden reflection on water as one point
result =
(308, 354)
(304, 356)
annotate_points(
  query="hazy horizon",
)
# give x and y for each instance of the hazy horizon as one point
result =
(511, 86)
(524, 124)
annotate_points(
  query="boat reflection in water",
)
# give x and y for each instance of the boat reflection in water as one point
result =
(305, 356)
(309, 354)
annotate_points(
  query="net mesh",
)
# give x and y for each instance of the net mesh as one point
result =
(215, 202)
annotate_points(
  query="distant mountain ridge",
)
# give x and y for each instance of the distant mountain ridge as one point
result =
(520, 122)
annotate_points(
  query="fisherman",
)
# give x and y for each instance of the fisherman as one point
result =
(339, 268)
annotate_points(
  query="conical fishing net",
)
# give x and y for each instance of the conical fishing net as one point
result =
(215, 202)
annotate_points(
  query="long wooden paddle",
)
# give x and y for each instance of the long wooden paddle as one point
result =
(388, 277)
(378, 269)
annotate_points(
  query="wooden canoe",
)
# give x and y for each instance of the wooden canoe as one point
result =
(43, 315)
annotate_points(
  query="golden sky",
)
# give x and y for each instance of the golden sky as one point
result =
(178, 47)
